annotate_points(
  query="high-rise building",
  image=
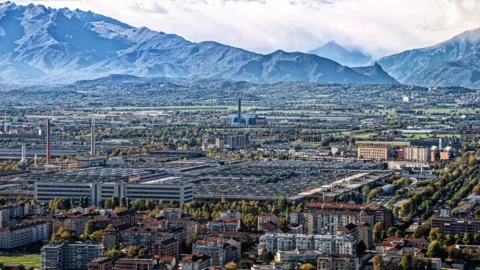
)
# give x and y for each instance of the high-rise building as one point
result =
(237, 141)
(93, 149)
(49, 150)
(239, 117)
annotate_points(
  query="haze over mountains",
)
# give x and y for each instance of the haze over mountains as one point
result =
(56, 46)
(347, 57)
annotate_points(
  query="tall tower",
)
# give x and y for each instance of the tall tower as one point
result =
(93, 150)
(49, 147)
(5, 127)
(239, 111)
(24, 161)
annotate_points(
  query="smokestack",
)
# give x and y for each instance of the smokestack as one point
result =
(93, 151)
(23, 161)
(35, 161)
(239, 110)
(49, 150)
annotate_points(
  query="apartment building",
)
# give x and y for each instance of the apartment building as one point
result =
(380, 152)
(266, 218)
(225, 225)
(419, 154)
(448, 225)
(336, 262)
(237, 141)
(167, 248)
(218, 249)
(378, 212)
(134, 264)
(195, 262)
(327, 222)
(20, 235)
(101, 263)
(69, 256)
(327, 243)
(148, 237)
(293, 256)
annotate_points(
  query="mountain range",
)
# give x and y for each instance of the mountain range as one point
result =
(454, 62)
(48, 45)
(42, 45)
(348, 57)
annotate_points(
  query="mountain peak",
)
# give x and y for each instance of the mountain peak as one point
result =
(425, 66)
(342, 55)
(63, 45)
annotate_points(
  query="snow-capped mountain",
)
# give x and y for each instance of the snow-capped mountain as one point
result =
(439, 65)
(40, 44)
(348, 57)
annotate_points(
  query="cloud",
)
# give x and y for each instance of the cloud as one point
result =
(378, 27)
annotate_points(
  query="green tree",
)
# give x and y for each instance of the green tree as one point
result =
(379, 263)
(377, 231)
(123, 202)
(467, 240)
(132, 252)
(144, 251)
(90, 227)
(407, 262)
(435, 250)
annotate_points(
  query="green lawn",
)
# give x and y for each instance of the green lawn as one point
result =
(30, 260)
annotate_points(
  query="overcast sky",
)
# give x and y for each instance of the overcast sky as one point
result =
(377, 27)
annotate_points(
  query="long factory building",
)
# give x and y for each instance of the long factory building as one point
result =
(99, 184)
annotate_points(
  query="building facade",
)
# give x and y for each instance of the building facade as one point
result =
(380, 152)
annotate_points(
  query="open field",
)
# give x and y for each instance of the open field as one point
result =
(28, 260)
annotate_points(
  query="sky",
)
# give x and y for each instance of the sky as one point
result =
(376, 27)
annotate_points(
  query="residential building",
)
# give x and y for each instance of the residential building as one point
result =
(218, 249)
(336, 262)
(237, 141)
(171, 213)
(265, 218)
(380, 152)
(340, 244)
(293, 256)
(20, 235)
(148, 237)
(327, 222)
(101, 263)
(69, 256)
(419, 154)
(225, 225)
(167, 248)
(4, 217)
(195, 262)
(134, 264)
(448, 225)
(378, 212)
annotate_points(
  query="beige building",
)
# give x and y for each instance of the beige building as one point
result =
(381, 152)
(420, 154)
(336, 262)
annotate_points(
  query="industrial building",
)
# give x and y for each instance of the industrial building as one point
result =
(99, 184)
